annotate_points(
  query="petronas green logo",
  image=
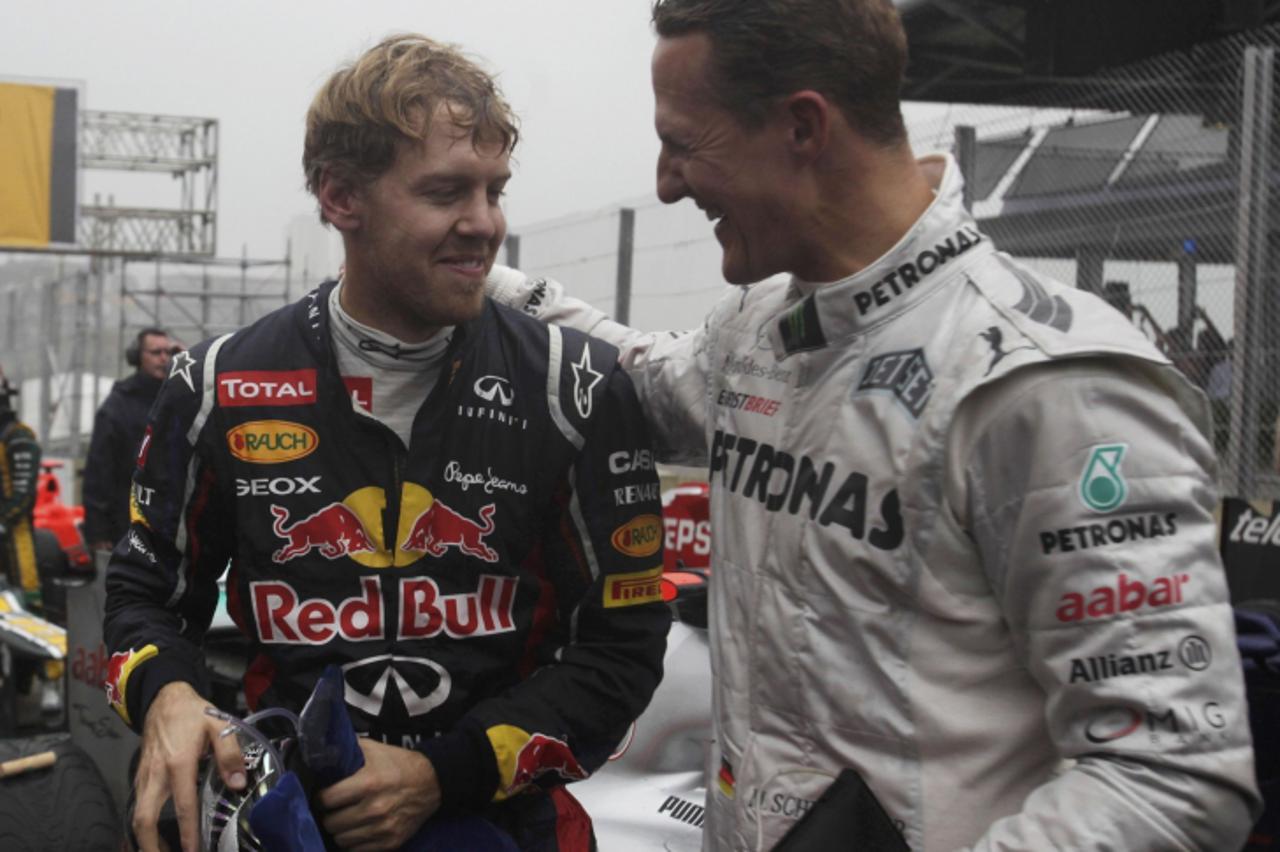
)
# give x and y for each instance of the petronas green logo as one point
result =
(1102, 486)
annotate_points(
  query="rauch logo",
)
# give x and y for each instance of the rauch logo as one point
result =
(271, 441)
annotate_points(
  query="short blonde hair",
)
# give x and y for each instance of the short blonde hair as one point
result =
(388, 96)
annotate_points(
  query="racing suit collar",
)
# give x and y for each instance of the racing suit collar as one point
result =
(929, 253)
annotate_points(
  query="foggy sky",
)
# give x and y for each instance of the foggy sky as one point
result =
(576, 72)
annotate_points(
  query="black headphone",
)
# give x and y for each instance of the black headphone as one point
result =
(133, 352)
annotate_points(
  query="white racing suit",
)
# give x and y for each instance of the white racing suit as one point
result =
(963, 543)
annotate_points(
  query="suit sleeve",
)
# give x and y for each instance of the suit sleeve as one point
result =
(601, 613)
(162, 577)
(24, 472)
(99, 473)
(1091, 495)
(669, 369)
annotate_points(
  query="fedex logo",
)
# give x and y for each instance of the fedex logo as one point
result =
(1126, 596)
(267, 387)
(285, 619)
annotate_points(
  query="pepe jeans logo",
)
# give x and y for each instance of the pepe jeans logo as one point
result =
(1102, 487)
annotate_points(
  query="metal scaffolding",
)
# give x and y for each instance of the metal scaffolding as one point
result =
(182, 146)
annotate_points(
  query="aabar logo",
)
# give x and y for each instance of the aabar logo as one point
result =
(1126, 596)
(271, 441)
(634, 588)
(640, 536)
(267, 387)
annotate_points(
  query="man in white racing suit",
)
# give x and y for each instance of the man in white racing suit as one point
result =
(963, 515)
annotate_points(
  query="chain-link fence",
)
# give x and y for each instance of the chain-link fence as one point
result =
(65, 322)
(1151, 185)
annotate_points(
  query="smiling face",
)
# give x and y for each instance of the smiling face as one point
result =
(428, 230)
(737, 175)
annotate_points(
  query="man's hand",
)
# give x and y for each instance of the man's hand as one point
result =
(175, 736)
(382, 805)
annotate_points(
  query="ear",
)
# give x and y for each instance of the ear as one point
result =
(340, 201)
(808, 116)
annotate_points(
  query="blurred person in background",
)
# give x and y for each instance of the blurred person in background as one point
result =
(409, 481)
(962, 515)
(117, 430)
(19, 475)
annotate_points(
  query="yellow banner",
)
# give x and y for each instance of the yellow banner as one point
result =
(26, 159)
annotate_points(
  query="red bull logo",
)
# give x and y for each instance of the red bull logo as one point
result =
(426, 613)
(334, 530)
(543, 754)
(118, 671)
(284, 618)
(440, 527)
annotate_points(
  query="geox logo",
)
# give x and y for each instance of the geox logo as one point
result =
(906, 375)
(800, 329)
(780, 480)
(909, 275)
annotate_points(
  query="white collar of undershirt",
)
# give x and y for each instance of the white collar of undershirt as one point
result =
(379, 349)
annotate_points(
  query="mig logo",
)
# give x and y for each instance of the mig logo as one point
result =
(1102, 487)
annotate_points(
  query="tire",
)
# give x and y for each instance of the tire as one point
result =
(65, 808)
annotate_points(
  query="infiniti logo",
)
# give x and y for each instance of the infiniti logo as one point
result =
(488, 387)
(415, 704)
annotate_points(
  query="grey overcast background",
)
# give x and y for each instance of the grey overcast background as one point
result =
(576, 72)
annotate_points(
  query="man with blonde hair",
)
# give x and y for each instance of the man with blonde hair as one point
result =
(453, 502)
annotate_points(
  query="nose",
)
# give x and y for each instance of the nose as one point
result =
(671, 185)
(483, 219)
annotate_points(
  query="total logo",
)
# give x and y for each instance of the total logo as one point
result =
(1126, 596)
(1183, 723)
(284, 618)
(267, 387)
(352, 527)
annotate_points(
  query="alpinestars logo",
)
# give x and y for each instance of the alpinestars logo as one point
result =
(1102, 488)
(584, 381)
(181, 367)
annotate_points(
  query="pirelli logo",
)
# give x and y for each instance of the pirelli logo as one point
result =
(637, 587)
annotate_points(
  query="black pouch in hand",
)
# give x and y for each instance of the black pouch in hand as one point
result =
(847, 816)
